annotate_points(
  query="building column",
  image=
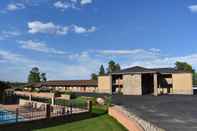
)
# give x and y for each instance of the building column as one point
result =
(30, 97)
(53, 100)
(155, 85)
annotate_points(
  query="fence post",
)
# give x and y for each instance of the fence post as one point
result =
(17, 112)
(48, 111)
(71, 109)
(63, 111)
(89, 106)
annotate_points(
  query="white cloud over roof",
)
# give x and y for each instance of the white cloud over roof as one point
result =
(40, 47)
(51, 28)
(15, 6)
(193, 8)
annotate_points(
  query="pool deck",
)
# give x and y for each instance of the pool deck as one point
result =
(37, 114)
(9, 107)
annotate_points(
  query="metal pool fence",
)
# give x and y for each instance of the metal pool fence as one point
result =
(48, 111)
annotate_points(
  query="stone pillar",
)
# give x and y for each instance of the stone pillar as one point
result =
(155, 81)
(52, 100)
(30, 97)
(132, 84)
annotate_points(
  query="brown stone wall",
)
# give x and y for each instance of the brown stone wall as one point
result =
(132, 84)
(131, 121)
(129, 124)
(182, 83)
(105, 84)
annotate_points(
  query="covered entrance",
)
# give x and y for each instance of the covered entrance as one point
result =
(147, 84)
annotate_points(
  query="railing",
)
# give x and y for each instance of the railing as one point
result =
(30, 113)
(195, 87)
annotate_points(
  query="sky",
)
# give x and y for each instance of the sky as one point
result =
(70, 39)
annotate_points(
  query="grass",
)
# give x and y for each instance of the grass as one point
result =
(98, 120)
(100, 123)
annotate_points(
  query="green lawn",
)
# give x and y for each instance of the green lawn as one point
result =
(100, 123)
(98, 120)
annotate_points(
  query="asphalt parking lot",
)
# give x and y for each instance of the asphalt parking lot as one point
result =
(172, 112)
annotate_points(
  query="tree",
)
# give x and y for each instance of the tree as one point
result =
(195, 78)
(43, 77)
(112, 66)
(118, 68)
(94, 76)
(34, 75)
(183, 66)
(3, 87)
(186, 67)
(102, 70)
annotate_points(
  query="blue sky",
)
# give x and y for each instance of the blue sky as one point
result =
(70, 39)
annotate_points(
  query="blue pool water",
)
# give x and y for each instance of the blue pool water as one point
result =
(8, 117)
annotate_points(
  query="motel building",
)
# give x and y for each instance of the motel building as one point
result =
(83, 86)
(141, 81)
(131, 81)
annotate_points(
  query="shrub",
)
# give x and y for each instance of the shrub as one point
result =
(61, 102)
(57, 94)
(18, 89)
(108, 101)
(72, 94)
(45, 90)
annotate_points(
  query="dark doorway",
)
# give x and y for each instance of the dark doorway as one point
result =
(147, 84)
(116, 83)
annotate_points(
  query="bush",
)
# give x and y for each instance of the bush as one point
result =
(79, 102)
(57, 94)
(45, 90)
(108, 101)
(72, 95)
(61, 102)
(18, 89)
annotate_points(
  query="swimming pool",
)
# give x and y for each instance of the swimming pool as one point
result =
(8, 117)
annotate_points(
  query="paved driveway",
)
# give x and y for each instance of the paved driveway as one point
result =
(173, 113)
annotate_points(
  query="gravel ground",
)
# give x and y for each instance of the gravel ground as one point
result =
(172, 112)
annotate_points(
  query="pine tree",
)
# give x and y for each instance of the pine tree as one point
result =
(102, 70)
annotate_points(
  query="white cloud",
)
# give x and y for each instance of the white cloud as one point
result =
(72, 4)
(84, 2)
(8, 56)
(51, 28)
(80, 65)
(147, 58)
(40, 47)
(15, 6)
(193, 8)
(79, 30)
(155, 50)
(61, 5)
(9, 34)
(126, 52)
(65, 5)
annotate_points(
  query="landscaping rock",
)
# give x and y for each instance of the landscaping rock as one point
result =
(100, 101)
